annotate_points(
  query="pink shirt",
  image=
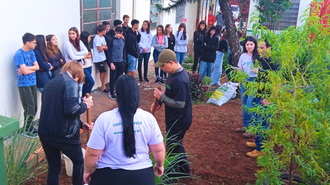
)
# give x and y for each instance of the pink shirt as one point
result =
(160, 39)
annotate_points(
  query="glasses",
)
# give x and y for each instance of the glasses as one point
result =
(35, 43)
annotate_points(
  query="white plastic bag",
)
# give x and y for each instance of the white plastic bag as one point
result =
(223, 94)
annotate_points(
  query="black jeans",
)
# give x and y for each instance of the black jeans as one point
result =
(53, 155)
(175, 137)
(28, 96)
(145, 57)
(110, 176)
(115, 74)
(197, 56)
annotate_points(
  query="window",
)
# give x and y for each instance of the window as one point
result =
(179, 16)
(94, 12)
(290, 16)
(154, 14)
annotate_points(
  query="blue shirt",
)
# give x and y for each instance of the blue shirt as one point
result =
(27, 58)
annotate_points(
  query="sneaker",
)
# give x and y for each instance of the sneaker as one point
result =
(105, 90)
(161, 81)
(157, 81)
(112, 96)
(255, 154)
(30, 133)
(251, 144)
(139, 84)
(140, 79)
(146, 79)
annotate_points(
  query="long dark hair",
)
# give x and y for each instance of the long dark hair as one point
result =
(182, 25)
(75, 42)
(198, 31)
(148, 28)
(84, 38)
(219, 30)
(209, 31)
(255, 53)
(166, 32)
(41, 46)
(128, 99)
(161, 27)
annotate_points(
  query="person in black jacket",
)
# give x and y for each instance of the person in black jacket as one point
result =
(210, 46)
(132, 38)
(199, 35)
(266, 65)
(223, 48)
(59, 124)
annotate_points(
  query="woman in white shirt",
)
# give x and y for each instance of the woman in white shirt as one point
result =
(120, 142)
(145, 49)
(74, 48)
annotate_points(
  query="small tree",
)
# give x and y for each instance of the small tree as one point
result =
(299, 134)
(271, 11)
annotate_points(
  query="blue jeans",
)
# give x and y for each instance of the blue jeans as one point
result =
(247, 102)
(155, 54)
(180, 57)
(145, 57)
(89, 81)
(261, 136)
(217, 71)
(132, 61)
(205, 68)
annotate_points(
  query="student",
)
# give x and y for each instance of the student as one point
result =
(116, 23)
(132, 38)
(55, 53)
(125, 23)
(199, 35)
(87, 65)
(266, 66)
(181, 42)
(178, 106)
(145, 49)
(26, 66)
(246, 64)
(45, 62)
(59, 122)
(223, 48)
(116, 56)
(220, 20)
(211, 19)
(121, 141)
(210, 46)
(170, 37)
(74, 49)
(99, 58)
(159, 42)
(107, 28)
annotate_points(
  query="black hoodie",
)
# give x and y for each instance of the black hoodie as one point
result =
(210, 46)
(132, 40)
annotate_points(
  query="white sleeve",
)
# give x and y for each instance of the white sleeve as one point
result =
(96, 140)
(155, 134)
(68, 47)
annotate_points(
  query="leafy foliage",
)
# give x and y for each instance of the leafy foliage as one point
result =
(300, 111)
(271, 11)
(196, 83)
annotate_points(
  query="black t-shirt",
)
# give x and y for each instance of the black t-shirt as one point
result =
(178, 88)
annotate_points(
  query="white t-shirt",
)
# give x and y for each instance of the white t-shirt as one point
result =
(246, 64)
(107, 136)
(97, 56)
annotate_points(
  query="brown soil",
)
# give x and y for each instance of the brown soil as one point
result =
(217, 152)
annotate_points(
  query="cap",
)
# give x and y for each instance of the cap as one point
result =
(116, 22)
(165, 56)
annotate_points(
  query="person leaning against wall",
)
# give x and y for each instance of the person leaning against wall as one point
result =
(55, 53)
(26, 67)
(59, 123)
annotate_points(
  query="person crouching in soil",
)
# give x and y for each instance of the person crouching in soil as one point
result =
(59, 124)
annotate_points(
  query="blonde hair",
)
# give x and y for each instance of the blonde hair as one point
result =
(75, 69)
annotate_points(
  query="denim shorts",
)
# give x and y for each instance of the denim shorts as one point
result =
(132, 61)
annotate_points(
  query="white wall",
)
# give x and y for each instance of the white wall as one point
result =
(37, 17)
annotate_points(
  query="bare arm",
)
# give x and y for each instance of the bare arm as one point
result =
(91, 157)
(159, 154)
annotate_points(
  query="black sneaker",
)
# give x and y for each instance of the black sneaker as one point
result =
(105, 90)
(157, 81)
(30, 133)
(140, 78)
(113, 96)
(146, 79)
(161, 81)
